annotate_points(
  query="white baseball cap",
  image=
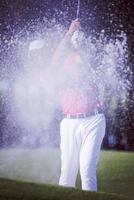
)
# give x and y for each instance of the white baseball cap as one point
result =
(36, 44)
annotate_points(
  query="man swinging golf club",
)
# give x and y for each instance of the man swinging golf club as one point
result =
(83, 127)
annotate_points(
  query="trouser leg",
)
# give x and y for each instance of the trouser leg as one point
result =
(93, 133)
(69, 153)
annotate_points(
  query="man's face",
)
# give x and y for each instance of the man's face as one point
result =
(36, 58)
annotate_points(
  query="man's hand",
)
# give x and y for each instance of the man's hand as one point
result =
(75, 25)
(62, 47)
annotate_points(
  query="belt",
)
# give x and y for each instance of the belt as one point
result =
(80, 115)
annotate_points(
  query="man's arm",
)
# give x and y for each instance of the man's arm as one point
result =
(62, 47)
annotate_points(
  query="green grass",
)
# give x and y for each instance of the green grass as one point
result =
(13, 190)
(115, 175)
(116, 172)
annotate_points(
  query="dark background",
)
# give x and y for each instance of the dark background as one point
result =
(113, 16)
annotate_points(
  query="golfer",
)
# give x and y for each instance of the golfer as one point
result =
(83, 127)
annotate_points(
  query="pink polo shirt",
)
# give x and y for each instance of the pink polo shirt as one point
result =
(78, 96)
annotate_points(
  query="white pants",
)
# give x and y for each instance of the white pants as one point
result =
(80, 147)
